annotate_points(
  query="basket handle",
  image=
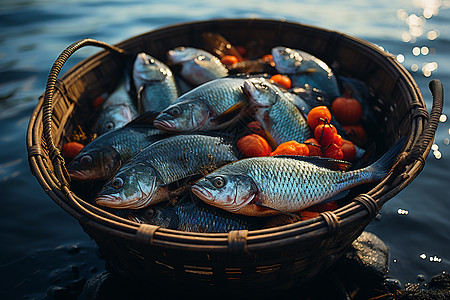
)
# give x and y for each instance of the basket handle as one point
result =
(54, 153)
(427, 136)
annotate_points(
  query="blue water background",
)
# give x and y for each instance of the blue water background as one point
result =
(33, 229)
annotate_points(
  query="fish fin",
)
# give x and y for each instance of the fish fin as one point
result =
(139, 94)
(278, 210)
(146, 118)
(216, 43)
(307, 71)
(338, 196)
(229, 114)
(383, 165)
(366, 157)
(270, 140)
(329, 163)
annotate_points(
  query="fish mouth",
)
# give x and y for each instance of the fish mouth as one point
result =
(164, 125)
(110, 201)
(78, 175)
(202, 193)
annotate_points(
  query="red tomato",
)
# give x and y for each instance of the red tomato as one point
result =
(349, 150)
(291, 148)
(324, 133)
(71, 149)
(253, 145)
(256, 127)
(356, 134)
(337, 140)
(314, 147)
(333, 151)
(228, 60)
(346, 110)
(282, 80)
(318, 115)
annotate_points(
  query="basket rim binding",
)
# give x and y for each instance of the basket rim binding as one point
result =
(363, 207)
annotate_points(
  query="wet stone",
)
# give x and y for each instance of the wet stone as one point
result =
(369, 255)
(59, 293)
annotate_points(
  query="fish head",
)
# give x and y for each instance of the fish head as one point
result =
(146, 69)
(183, 116)
(287, 60)
(112, 117)
(132, 187)
(182, 54)
(94, 163)
(260, 92)
(229, 191)
(158, 215)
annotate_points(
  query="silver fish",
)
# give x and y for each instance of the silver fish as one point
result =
(117, 110)
(153, 175)
(261, 186)
(154, 83)
(198, 66)
(213, 105)
(102, 157)
(194, 216)
(304, 68)
(277, 114)
(112, 117)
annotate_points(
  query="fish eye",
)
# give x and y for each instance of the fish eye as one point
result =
(109, 125)
(86, 161)
(175, 111)
(150, 212)
(117, 183)
(218, 182)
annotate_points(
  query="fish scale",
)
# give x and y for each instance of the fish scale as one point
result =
(299, 184)
(278, 115)
(194, 153)
(219, 94)
(146, 178)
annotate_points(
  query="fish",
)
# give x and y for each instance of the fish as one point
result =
(117, 110)
(197, 66)
(103, 156)
(112, 117)
(277, 114)
(304, 68)
(211, 106)
(154, 83)
(307, 97)
(262, 186)
(193, 216)
(164, 169)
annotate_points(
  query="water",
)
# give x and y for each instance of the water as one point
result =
(38, 237)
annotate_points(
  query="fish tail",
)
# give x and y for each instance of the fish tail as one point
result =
(383, 165)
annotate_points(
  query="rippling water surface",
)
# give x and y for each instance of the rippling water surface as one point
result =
(415, 224)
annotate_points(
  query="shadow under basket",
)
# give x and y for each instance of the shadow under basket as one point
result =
(240, 262)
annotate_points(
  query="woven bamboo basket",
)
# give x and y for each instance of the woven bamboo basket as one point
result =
(240, 262)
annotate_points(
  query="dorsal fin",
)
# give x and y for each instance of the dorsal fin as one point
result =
(146, 118)
(329, 163)
(229, 114)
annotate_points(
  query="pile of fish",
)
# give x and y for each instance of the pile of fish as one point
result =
(165, 151)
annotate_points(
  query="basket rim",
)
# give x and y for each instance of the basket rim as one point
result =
(257, 239)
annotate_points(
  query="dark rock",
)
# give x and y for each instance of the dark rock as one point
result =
(441, 281)
(369, 256)
(59, 293)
